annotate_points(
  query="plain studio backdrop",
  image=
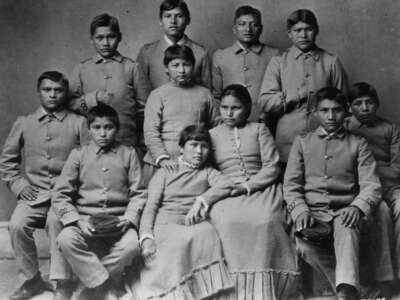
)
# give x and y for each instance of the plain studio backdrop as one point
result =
(40, 35)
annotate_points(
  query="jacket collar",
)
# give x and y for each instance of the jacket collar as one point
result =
(315, 53)
(255, 48)
(59, 115)
(99, 59)
(338, 134)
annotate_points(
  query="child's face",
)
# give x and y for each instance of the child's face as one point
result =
(105, 41)
(247, 29)
(303, 35)
(364, 109)
(103, 132)
(233, 112)
(195, 152)
(52, 95)
(173, 22)
(180, 71)
(330, 115)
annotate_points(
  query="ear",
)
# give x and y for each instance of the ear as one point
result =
(261, 28)
(180, 150)
(120, 37)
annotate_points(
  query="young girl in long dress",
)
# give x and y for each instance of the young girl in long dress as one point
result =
(251, 223)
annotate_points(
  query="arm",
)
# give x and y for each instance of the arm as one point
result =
(220, 187)
(217, 79)
(153, 115)
(294, 182)
(137, 192)
(11, 159)
(66, 190)
(391, 173)
(143, 63)
(206, 70)
(84, 136)
(213, 117)
(79, 101)
(338, 76)
(368, 180)
(270, 170)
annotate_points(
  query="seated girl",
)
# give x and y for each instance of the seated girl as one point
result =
(172, 107)
(181, 249)
(251, 223)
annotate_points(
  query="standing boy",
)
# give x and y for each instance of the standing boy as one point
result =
(174, 18)
(111, 78)
(331, 178)
(44, 139)
(292, 78)
(245, 61)
(99, 199)
(384, 140)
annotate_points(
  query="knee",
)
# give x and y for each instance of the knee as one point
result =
(395, 209)
(129, 244)
(18, 226)
(66, 238)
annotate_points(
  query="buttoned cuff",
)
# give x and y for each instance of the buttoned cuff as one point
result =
(296, 210)
(203, 203)
(145, 236)
(160, 158)
(133, 217)
(18, 185)
(365, 205)
(69, 217)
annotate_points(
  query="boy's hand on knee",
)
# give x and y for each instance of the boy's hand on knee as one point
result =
(28, 193)
(85, 227)
(350, 216)
(123, 224)
(304, 220)
(149, 250)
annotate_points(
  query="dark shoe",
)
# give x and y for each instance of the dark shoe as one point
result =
(63, 290)
(385, 290)
(31, 288)
(346, 292)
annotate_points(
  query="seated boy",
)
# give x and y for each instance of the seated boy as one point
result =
(101, 180)
(331, 179)
(111, 78)
(44, 139)
(384, 140)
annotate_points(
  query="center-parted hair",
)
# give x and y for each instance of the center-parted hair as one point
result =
(194, 133)
(362, 89)
(241, 93)
(334, 94)
(247, 10)
(302, 15)
(102, 110)
(104, 20)
(53, 76)
(171, 4)
(178, 51)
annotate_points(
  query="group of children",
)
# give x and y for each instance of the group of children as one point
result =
(134, 173)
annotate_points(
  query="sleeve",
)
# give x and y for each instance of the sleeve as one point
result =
(217, 79)
(271, 87)
(294, 181)
(143, 62)
(338, 76)
(391, 173)
(368, 180)
(155, 194)
(11, 159)
(78, 101)
(137, 191)
(213, 116)
(205, 70)
(84, 135)
(153, 117)
(66, 190)
(220, 187)
(270, 170)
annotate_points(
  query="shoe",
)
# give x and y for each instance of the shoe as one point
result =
(346, 292)
(63, 290)
(385, 290)
(31, 288)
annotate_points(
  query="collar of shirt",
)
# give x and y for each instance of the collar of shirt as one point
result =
(181, 161)
(338, 134)
(99, 150)
(99, 59)
(314, 53)
(166, 42)
(42, 113)
(255, 48)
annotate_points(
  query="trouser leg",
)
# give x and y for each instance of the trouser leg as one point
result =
(59, 267)
(393, 200)
(24, 220)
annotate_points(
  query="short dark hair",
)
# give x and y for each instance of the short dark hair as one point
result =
(104, 20)
(331, 93)
(53, 76)
(178, 51)
(171, 4)
(241, 93)
(194, 133)
(362, 89)
(247, 10)
(102, 110)
(302, 15)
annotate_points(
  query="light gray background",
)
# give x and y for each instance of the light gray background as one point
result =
(39, 35)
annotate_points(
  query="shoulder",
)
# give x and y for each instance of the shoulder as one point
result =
(150, 46)
(328, 56)
(219, 53)
(195, 45)
(86, 61)
(218, 130)
(270, 49)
